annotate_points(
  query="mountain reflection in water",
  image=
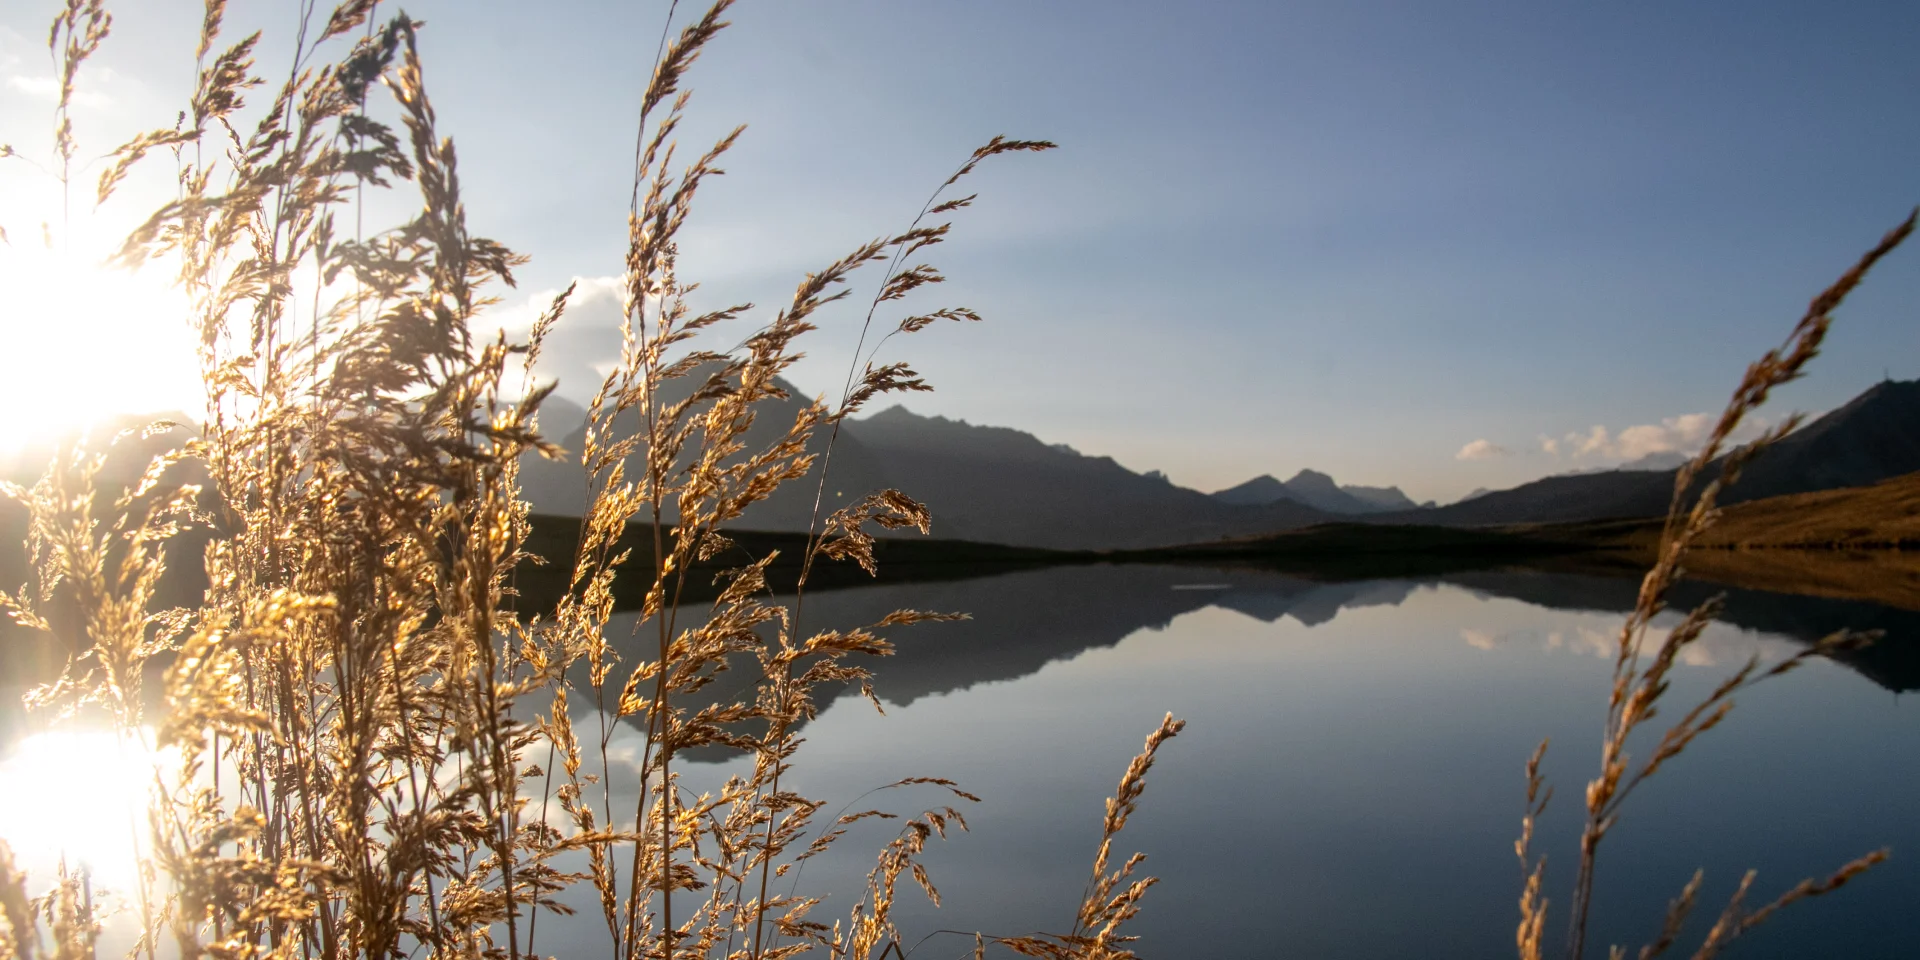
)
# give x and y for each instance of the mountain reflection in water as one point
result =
(1023, 620)
(1351, 780)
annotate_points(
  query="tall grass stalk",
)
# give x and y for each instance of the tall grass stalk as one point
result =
(1641, 679)
(377, 751)
(372, 747)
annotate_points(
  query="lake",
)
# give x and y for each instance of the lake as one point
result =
(1350, 783)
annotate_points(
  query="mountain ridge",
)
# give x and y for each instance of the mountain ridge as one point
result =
(1316, 490)
(1002, 485)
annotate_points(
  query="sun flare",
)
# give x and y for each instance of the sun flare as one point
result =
(78, 795)
(85, 342)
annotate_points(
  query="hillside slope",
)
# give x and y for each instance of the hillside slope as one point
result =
(1884, 514)
(1875, 436)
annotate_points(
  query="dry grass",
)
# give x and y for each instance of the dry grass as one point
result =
(1640, 683)
(1881, 516)
(378, 754)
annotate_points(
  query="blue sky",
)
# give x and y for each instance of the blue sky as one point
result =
(1353, 236)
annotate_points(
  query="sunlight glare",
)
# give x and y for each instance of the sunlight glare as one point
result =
(81, 342)
(78, 794)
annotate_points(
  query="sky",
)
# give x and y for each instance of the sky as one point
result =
(1443, 246)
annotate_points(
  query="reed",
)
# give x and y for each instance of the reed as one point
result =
(377, 750)
(374, 749)
(1640, 677)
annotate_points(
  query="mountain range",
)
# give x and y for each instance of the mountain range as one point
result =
(991, 484)
(1002, 485)
(1317, 490)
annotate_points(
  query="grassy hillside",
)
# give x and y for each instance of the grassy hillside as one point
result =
(1884, 514)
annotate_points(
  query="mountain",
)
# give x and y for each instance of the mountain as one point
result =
(561, 417)
(1004, 486)
(1665, 460)
(1258, 492)
(1385, 498)
(1317, 490)
(128, 442)
(990, 484)
(559, 487)
(1875, 436)
(1000, 485)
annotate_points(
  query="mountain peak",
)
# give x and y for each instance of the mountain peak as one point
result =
(898, 413)
(1318, 490)
(1312, 480)
(1258, 492)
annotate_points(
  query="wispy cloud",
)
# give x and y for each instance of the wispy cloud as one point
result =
(1481, 450)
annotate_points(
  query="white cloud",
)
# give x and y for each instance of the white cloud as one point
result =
(1683, 434)
(1481, 450)
(48, 90)
(40, 88)
(579, 349)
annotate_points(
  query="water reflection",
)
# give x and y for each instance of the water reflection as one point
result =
(1024, 620)
(79, 795)
(1350, 782)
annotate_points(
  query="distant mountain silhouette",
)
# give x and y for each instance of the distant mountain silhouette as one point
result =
(1874, 436)
(991, 484)
(1316, 490)
(1665, 460)
(1258, 492)
(1385, 498)
(1001, 485)
(125, 441)
(560, 487)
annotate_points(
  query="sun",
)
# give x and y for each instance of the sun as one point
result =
(81, 342)
(78, 796)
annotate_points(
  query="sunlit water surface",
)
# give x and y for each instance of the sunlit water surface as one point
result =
(1350, 782)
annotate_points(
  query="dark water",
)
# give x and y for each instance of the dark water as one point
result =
(1350, 782)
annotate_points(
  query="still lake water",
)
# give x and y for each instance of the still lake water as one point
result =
(1350, 781)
